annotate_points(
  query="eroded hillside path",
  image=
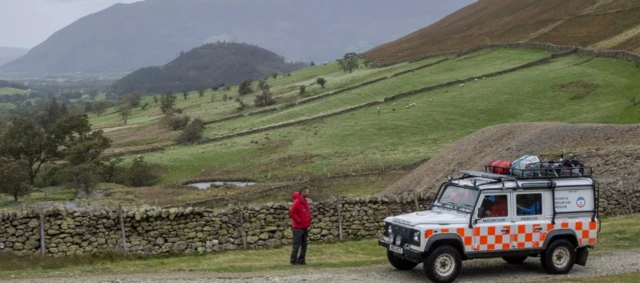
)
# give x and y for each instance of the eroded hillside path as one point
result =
(495, 270)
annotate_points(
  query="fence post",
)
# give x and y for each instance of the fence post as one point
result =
(340, 218)
(42, 243)
(242, 231)
(124, 237)
(415, 198)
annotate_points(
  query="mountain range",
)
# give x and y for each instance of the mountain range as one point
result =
(125, 37)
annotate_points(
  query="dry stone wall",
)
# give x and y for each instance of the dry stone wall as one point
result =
(191, 230)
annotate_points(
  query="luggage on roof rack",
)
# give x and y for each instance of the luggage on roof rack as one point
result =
(545, 170)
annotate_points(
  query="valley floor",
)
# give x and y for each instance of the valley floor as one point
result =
(618, 266)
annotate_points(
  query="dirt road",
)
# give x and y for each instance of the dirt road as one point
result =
(606, 263)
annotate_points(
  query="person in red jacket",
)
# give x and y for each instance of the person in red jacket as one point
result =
(300, 221)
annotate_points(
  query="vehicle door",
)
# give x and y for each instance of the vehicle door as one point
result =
(493, 222)
(530, 221)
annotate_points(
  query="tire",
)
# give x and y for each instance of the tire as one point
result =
(400, 264)
(518, 259)
(443, 264)
(559, 257)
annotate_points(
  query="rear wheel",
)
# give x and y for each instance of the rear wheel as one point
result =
(400, 264)
(515, 259)
(559, 257)
(443, 264)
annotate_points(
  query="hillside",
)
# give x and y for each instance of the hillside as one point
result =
(8, 54)
(126, 37)
(210, 64)
(611, 149)
(599, 24)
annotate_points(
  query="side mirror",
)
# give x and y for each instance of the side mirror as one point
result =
(480, 213)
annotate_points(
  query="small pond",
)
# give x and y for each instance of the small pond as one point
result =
(206, 185)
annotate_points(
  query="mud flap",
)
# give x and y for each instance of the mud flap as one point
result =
(581, 256)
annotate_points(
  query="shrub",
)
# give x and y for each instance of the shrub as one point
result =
(303, 90)
(264, 99)
(192, 132)
(174, 121)
(143, 173)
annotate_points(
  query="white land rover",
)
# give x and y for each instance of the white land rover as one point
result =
(551, 215)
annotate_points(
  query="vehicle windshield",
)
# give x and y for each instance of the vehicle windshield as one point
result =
(458, 198)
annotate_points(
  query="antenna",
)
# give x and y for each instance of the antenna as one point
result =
(562, 154)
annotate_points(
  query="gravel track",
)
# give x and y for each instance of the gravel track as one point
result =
(605, 263)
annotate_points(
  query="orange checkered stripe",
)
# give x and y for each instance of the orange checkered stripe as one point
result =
(464, 233)
(587, 231)
(525, 236)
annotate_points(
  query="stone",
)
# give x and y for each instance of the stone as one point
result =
(160, 241)
(33, 223)
(179, 246)
(11, 230)
(252, 239)
(264, 236)
(172, 213)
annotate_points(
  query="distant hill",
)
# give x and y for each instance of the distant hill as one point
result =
(210, 64)
(8, 54)
(611, 24)
(125, 37)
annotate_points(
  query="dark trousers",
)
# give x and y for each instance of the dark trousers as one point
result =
(299, 243)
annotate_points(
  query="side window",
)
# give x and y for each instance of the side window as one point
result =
(495, 206)
(529, 204)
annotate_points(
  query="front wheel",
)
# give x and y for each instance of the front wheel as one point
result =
(400, 264)
(443, 264)
(559, 257)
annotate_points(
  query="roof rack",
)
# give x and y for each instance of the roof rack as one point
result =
(541, 172)
(488, 175)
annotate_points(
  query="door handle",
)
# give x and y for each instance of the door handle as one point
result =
(537, 229)
(504, 231)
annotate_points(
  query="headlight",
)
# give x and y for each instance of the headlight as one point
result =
(389, 230)
(416, 237)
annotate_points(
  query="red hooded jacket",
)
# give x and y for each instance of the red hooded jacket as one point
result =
(300, 213)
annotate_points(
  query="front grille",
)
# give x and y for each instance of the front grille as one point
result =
(406, 233)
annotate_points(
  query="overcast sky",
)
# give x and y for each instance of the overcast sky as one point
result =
(26, 23)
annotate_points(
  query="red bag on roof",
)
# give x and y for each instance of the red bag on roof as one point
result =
(499, 167)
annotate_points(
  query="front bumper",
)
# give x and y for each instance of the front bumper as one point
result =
(407, 253)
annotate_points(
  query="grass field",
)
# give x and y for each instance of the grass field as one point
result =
(322, 255)
(365, 140)
(10, 90)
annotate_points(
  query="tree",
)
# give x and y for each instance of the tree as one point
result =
(227, 88)
(264, 99)
(143, 173)
(167, 101)
(321, 82)
(110, 168)
(245, 87)
(124, 108)
(25, 141)
(241, 105)
(274, 76)
(263, 86)
(155, 99)
(201, 91)
(303, 90)
(82, 178)
(349, 62)
(76, 142)
(312, 64)
(100, 107)
(185, 94)
(135, 99)
(14, 178)
(192, 132)
(213, 95)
